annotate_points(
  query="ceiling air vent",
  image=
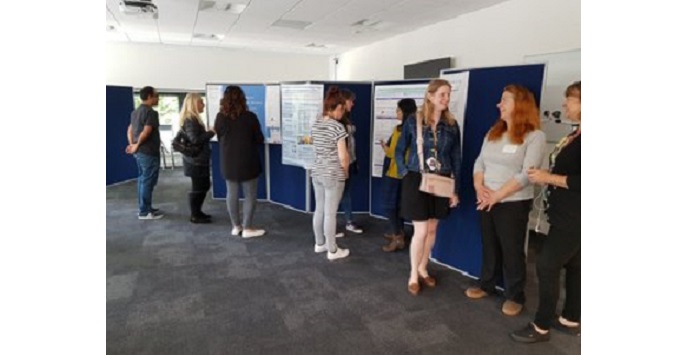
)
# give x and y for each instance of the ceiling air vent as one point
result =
(297, 25)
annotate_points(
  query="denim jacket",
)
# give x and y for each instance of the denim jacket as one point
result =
(448, 149)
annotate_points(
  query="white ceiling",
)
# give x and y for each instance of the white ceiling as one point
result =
(180, 21)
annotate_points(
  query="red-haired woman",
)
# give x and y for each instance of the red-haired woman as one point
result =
(504, 195)
(329, 172)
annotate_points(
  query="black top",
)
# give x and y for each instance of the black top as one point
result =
(145, 116)
(239, 140)
(564, 204)
(197, 135)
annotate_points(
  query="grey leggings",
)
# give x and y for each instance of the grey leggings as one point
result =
(328, 193)
(249, 189)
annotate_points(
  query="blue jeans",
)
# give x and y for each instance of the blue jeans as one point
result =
(346, 201)
(148, 175)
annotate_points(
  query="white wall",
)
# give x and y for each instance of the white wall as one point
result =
(499, 35)
(183, 67)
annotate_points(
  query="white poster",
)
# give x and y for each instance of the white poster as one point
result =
(459, 96)
(385, 102)
(302, 105)
(213, 101)
(273, 114)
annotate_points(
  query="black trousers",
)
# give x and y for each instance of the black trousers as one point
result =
(560, 249)
(200, 186)
(504, 230)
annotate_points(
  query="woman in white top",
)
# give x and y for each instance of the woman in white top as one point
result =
(329, 172)
(504, 195)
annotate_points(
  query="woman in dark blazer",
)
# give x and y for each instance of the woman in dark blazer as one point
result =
(561, 248)
(239, 135)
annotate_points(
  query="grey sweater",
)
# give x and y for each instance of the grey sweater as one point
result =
(501, 161)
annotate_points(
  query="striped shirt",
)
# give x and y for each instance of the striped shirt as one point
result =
(325, 133)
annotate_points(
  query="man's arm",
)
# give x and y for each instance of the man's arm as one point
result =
(133, 147)
(130, 134)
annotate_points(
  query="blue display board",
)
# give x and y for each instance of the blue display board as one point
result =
(459, 239)
(361, 115)
(120, 166)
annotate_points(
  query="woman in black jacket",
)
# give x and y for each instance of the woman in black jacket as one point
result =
(197, 168)
(239, 135)
(561, 248)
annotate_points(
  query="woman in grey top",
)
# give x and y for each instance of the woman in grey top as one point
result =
(504, 195)
(330, 170)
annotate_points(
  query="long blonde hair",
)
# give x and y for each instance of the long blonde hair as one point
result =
(427, 108)
(189, 109)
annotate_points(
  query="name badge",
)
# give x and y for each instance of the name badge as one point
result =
(510, 148)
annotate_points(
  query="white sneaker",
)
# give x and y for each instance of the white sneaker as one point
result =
(320, 248)
(151, 215)
(253, 233)
(339, 254)
(339, 235)
(236, 231)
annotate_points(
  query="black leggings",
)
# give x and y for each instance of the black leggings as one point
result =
(200, 183)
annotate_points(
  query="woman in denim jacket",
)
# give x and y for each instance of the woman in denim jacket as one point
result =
(442, 155)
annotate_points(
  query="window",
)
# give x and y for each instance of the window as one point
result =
(169, 114)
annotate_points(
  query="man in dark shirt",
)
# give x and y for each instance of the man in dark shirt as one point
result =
(144, 143)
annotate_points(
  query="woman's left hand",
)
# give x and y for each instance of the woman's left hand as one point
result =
(489, 201)
(453, 201)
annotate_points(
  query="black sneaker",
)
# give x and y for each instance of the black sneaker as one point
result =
(530, 335)
(574, 331)
(204, 215)
(199, 219)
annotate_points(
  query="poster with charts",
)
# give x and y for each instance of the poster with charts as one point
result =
(385, 102)
(459, 96)
(301, 106)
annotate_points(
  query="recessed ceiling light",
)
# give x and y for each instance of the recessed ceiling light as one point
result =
(222, 5)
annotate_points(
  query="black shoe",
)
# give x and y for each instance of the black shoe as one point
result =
(204, 215)
(199, 219)
(574, 331)
(155, 210)
(530, 335)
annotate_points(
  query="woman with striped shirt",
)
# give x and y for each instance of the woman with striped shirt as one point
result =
(329, 172)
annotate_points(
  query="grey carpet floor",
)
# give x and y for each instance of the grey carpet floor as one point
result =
(179, 288)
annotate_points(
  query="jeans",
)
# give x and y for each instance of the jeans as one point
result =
(328, 192)
(347, 199)
(249, 189)
(148, 176)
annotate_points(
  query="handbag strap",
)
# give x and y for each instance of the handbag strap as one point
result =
(419, 143)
